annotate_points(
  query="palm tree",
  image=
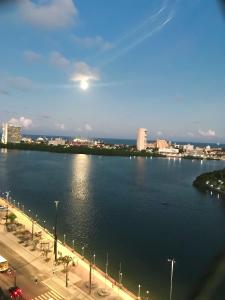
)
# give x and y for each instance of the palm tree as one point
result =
(66, 260)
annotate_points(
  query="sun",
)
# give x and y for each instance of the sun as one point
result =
(84, 85)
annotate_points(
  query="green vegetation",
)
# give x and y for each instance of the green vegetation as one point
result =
(80, 150)
(11, 217)
(211, 181)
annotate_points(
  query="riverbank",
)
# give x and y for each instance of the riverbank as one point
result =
(211, 181)
(78, 272)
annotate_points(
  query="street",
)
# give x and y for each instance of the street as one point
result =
(25, 277)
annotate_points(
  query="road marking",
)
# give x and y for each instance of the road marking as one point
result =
(51, 295)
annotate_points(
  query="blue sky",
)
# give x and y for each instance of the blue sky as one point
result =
(156, 64)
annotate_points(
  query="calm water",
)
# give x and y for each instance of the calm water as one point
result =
(141, 211)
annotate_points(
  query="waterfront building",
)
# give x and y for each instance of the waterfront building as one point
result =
(11, 134)
(84, 142)
(142, 135)
(57, 142)
(161, 144)
(188, 147)
(168, 151)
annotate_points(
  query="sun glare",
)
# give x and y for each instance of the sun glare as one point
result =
(84, 85)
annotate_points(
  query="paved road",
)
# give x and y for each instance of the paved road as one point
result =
(25, 277)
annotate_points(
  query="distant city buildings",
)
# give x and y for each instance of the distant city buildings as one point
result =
(142, 136)
(11, 134)
(84, 142)
(57, 142)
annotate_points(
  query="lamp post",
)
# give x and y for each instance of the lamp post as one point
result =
(106, 264)
(120, 269)
(18, 205)
(139, 291)
(6, 216)
(32, 231)
(147, 295)
(90, 277)
(23, 208)
(55, 230)
(120, 279)
(44, 224)
(64, 239)
(83, 252)
(73, 245)
(172, 261)
(7, 195)
(94, 260)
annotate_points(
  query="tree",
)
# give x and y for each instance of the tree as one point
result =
(66, 260)
(11, 217)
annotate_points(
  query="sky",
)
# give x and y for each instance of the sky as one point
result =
(105, 68)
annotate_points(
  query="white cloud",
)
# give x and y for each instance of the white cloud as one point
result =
(22, 121)
(60, 126)
(59, 60)
(49, 13)
(93, 42)
(88, 127)
(83, 72)
(32, 56)
(208, 133)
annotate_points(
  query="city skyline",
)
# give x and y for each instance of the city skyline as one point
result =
(78, 68)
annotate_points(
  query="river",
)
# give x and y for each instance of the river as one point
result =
(139, 211)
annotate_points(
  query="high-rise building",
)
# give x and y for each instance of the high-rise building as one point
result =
(11, 133)
(142, 136)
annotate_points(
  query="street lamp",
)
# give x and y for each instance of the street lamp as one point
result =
(33, 222)
(171, 276)
(14, 202)
(120, 269)
(73, 246)
(18, 205)
(83, 252)
(147, 295)
(94, 259)
(23, 208)
(55, 229)
(64, 239)
(6, 216)
(44, 224)
(120, 278)
(106, 264)
(139, 291)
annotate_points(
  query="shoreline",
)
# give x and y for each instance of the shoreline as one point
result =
(211, 182)
(101, 152)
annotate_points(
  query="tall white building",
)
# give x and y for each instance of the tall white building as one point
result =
(142, 136)
(11, 134)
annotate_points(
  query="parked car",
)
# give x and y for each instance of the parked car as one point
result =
(15, 292)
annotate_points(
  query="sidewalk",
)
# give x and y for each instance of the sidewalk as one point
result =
(53, 276)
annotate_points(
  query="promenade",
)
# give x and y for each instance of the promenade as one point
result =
(52, 275)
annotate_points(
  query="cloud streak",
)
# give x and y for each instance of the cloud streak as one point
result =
(143, 31)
